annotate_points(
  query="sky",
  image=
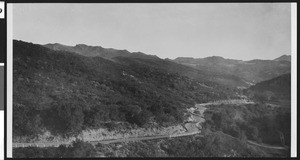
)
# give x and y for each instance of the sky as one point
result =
(230, 30)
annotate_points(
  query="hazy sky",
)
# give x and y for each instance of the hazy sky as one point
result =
(237, 31)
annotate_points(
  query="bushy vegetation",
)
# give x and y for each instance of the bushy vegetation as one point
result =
(276, 90)
(76, 150)
(257, 122)
(215, 144)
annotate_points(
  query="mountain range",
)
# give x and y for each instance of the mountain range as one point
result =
(249, 72)
(229, 72)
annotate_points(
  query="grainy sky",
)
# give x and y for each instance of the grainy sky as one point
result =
(236, 31)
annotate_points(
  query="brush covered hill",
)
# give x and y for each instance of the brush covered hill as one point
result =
(65, 92)
(250, 72)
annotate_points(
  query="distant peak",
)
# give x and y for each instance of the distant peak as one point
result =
(81, 45)
(84, 46)
(179, 58)
(216, 57)
(53, 44)
(284, 57)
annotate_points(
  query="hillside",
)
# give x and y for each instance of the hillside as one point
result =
(64, 92)
(277, 89)
(250, 72)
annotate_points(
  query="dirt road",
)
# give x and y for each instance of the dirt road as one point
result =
(15, 145)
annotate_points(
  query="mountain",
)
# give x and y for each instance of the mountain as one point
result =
(250, 72)
(64, 92)
(283, 58)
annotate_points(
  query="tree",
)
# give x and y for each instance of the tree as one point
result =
(26, 121)
(141, 118)
(66, 119)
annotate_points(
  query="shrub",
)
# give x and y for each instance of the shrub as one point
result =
(65, 118)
